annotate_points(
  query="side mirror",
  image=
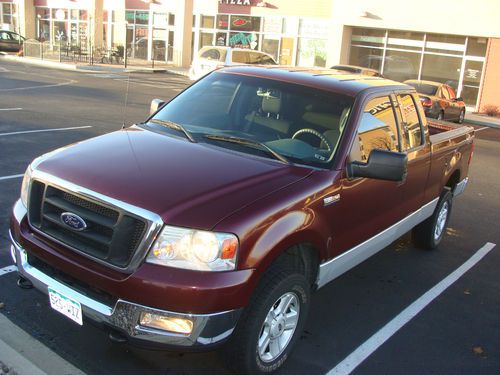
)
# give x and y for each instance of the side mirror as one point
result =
(381, 165)
(156, 104)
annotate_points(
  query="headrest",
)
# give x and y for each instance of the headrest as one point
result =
(271, 104)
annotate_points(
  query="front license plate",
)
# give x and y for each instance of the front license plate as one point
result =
(66, 306)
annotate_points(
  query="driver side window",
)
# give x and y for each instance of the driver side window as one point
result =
(377, 130)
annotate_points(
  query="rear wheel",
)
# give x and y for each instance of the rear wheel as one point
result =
(461, 117)
(440, 115)
(270, 325)
(429, 233)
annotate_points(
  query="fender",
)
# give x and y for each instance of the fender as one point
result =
(293, 228)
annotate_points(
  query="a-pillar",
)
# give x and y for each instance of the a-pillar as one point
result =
(26, 18)
(183, 32)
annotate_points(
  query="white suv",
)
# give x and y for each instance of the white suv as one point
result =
(211, 58)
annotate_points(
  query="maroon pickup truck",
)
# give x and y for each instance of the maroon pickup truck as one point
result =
(212, 222)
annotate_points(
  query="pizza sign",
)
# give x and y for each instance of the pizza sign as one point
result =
(235, 2)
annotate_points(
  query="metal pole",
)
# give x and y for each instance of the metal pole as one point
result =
(60, 57)
(153, 58)
(126, 54)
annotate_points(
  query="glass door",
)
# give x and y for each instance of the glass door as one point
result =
(471, 80)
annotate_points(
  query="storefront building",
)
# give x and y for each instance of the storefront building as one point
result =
(458, 44)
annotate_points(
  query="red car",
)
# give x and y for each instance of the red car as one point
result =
(439, 100)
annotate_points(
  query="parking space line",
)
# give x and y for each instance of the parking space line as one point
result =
(354, 359)
(6, 270)
(11, 177)
(11, 109)
(44, 130)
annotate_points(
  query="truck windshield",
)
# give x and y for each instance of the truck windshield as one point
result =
(303, 125)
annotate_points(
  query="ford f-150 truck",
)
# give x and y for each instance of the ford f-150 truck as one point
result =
(213, 221)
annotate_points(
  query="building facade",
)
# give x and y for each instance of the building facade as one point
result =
(455, 43)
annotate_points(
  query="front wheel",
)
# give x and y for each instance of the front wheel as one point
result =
(429, 233)
(270, 325)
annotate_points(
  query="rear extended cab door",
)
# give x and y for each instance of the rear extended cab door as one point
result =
(415, 143)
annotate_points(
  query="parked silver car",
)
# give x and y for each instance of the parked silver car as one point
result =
(213, 57)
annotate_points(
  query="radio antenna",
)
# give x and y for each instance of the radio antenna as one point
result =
(126, 101)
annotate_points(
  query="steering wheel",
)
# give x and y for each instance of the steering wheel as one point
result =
(317, 134)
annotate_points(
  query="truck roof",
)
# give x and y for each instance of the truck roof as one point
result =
(325, 79)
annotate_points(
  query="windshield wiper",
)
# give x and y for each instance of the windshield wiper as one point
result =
(175, 126)
(250, 143)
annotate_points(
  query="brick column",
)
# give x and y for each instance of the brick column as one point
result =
(95, 23)
(183, 32)
(26, 18)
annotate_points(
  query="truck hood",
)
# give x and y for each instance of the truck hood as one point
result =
(187, 184)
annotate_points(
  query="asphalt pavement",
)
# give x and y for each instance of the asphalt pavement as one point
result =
(363, 311)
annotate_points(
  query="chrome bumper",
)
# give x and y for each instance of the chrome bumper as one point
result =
(208, 329)
(459, 189)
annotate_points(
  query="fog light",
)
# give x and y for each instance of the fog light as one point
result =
(13, 253)
(166, 323)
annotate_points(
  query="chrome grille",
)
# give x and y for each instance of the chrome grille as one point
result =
(112, 235)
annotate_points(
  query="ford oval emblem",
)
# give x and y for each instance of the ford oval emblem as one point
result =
(73, 221)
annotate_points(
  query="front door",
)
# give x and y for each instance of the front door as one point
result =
(368, 206)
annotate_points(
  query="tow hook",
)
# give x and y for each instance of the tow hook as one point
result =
(24, 283)
(117, 337)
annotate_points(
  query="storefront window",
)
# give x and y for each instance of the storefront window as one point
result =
(368, 57)
(171, 19)
(400, 66)
(244, 40)
(59, 14)
(311, 52)
(273, 25)
(245, 23)
(477, 46)
(368, 37)
(207, 22)
(405, 40)
(206, 39)
(445, 69)
(271, 46)
(141, 18)
(449, 44)
(221, 39)
(60, 34)
(222, 21)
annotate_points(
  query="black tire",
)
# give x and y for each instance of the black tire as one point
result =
(242, 351)
(429, 233)
(440, 116)
(461, 117)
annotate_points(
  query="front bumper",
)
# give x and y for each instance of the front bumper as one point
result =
(123, 317)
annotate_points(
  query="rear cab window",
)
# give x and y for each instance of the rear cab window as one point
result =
(410, 124)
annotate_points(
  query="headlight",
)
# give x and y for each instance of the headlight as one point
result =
(26, 186)
(194, 249)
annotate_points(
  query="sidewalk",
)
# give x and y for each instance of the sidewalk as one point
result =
(144, 68)
(482, 120)
(21, 354)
